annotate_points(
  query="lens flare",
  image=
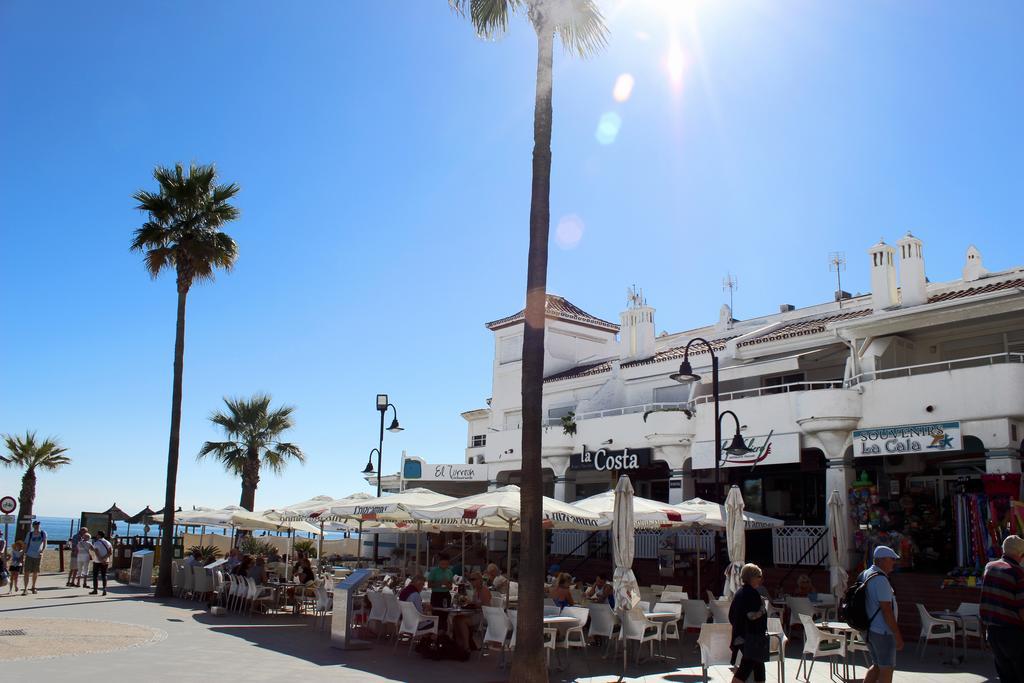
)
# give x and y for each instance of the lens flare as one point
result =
(608, 128)
(623, 87)
(676, 63)
(569, 231)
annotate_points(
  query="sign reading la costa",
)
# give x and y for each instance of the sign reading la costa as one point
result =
(935, 436)
(603, 459)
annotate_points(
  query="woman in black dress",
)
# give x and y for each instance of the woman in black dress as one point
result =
(749, 626)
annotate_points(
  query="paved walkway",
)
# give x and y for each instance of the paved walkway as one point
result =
(128, 635)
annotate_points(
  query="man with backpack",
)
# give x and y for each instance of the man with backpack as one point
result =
(883, 633)
(1002, 609)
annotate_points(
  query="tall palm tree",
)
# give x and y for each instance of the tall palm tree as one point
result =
(253, 432)
(581, 28)
(31, 455)
(183, 233)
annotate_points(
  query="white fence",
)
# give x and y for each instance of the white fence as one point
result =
(804, 545)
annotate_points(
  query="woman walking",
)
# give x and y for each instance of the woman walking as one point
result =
(749, 626)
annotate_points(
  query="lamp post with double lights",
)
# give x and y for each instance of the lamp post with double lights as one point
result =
(382, 407)
(686, 375)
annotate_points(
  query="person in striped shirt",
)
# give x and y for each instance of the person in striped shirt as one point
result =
(1002, 610)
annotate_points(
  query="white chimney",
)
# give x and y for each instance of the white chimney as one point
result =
(973, 270)
(883, 277)
(636, 332)
(913, 285)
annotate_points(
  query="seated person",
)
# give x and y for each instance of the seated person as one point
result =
(411, 593)
(465, 623)
(304, 572)
(274, 556)
(561, 592)
(804, 587)
(234, 559)
(258, 571)
(194, 559)
(495, 578)
(601, 592)
(242, 568)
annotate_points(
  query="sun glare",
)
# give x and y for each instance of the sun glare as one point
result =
(623, 87)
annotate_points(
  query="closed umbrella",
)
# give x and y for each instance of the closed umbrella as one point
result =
(627, 592)
(735, 540)
(839, 544)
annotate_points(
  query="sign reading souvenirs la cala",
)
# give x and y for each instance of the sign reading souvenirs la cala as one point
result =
(922, 438)
(604, 459)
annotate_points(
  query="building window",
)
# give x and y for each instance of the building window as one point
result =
(478, 441)
(559, 413)
(510, 349)
(784, 383)
(513, 419)
(680, 393)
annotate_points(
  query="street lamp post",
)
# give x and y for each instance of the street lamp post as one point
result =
(686, 375)
(382, 407)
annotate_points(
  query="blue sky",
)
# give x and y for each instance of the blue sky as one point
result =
(384, 157)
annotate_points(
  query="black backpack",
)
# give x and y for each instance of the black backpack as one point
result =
(854, 606)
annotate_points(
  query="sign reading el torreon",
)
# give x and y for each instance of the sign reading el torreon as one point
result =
(418, 470)
(921, 438)
(603, 459)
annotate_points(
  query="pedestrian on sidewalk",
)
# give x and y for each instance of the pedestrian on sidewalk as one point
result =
(84, 557)
(1002, 610)
(17, 565)
(884, 637)
(73, 542)
(35, 546)
(101, 553)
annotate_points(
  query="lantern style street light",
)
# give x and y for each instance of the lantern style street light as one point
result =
(383, 405)
(686, 375)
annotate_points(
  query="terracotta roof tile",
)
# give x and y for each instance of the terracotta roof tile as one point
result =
(804, 327)
(974, 291)
(558, 308)
(677, 352)
(581, 371)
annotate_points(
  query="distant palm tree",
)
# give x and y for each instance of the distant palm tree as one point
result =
(183, 233)
(31, 455)
(253, 431)
(581, 28)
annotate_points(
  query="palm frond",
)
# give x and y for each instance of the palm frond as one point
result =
(28, 453)
(489, 17)
(581, 28)
(253, 426)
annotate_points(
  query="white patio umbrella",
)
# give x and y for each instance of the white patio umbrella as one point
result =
(397, 507)
(839, 544)
(715, 515)
(735, 540)
(647, 514)
(501, 509)
(204, 516)
(627, 591)
(313, 510)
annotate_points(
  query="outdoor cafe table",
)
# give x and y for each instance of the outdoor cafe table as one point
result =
(845, 630)
(453, 612)
(957, 619)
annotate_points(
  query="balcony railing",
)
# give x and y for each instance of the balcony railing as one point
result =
(904, 371)
(940, 366)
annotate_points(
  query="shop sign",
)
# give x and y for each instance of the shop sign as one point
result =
(604, 459)
(920, 438)
(765, 449)
(417, 470)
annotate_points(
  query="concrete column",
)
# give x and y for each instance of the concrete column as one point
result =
(1002, 462)
(675, 486)
(564, 488)
(839, 476)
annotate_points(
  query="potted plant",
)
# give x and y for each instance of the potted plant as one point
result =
(569, 424)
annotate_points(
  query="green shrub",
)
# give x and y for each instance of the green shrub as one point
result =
(207, 553)
(255, 547)
(305, 545)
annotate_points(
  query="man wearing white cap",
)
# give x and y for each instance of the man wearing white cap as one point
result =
(884, 637)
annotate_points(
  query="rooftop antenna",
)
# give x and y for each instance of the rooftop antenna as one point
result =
(732, 284)
(635, 297)
(837, 264)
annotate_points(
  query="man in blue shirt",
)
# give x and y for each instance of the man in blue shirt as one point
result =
(884, 637)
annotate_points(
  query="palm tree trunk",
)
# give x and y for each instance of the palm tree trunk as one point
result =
(250, 480)
(26, 500)
(528, 665)
(164, 588)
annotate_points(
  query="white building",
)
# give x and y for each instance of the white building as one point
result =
(917, 360)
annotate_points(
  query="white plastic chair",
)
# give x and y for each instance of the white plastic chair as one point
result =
(378, 610)
(798, 607)
(498, 630)
(720, 611)
(673, 596)
(656, 588)
(933, 628)
(513, 618)
(603, 623)
(324, 605)
(513, 591)
(188, 581)
(777, 645)
(640, 629)
(670, 629)
(695, 614)
(201, 583)
(644, 606)
(550, 642)
(574, 635)
(711, 596)
(394, 610)
(819, 645)
(673, 588)
(177, 578)
(258, 594)
(498, 600)
(714, 641)
(410, 624)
